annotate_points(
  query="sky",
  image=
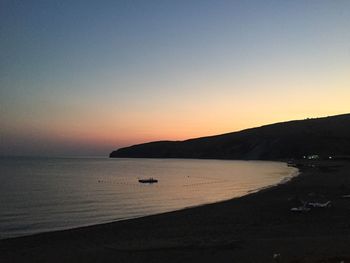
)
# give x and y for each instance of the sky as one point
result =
(87, 77)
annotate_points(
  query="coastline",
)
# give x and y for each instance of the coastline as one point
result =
(101, 199)
(250, 228)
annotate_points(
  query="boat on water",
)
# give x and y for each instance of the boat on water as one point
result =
(148, 181)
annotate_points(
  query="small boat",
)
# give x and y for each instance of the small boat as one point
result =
(148, 181)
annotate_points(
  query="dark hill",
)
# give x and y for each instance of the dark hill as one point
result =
(293, 139)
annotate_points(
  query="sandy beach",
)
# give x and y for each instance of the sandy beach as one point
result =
(259, 227)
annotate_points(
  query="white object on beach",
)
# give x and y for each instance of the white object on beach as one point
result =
(320, 205)
(300, 209)
(277, 257)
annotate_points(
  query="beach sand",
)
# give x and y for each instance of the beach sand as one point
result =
(255, 228)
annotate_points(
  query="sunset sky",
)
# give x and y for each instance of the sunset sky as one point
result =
(87, 77)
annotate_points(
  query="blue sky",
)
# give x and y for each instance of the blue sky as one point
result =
(85, 77)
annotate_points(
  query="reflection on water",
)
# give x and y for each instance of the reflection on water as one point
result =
(45, 194)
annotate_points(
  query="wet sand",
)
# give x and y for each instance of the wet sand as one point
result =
(252, 228)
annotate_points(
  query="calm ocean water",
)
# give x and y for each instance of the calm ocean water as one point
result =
(45, 194)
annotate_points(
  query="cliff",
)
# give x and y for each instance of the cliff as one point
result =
(329, 136)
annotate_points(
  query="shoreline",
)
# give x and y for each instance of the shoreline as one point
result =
(250, 228)
(283, 180)
(286, 176)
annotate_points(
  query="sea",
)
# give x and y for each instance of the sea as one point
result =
(46, 194)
